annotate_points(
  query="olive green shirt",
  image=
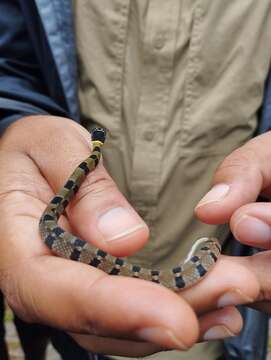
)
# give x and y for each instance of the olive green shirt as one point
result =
(178, 83)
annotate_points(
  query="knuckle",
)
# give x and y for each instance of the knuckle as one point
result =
(244, 160)
(97, 185)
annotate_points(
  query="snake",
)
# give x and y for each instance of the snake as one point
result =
(200, 259)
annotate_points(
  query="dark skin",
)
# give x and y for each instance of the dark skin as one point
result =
(115, 315)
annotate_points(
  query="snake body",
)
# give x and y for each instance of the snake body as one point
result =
(200, 259)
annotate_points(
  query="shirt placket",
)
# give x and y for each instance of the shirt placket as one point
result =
(157, 69)
(119, 21)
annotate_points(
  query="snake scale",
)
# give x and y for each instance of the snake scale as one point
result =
(200, 259)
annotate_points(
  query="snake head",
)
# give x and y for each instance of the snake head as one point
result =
(98, 134)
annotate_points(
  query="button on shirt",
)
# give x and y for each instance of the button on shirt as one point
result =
(178, 83)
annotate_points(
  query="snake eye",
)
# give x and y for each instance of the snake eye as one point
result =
(98, 134)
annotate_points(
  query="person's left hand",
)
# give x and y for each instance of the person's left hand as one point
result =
(239, 180)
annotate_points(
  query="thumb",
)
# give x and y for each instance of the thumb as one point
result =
(99, 213)
(102, 215)
(239, 180)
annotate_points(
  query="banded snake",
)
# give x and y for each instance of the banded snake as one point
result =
(200, 259)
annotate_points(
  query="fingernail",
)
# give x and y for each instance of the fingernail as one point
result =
(217, 332)
(233, 297)
(117, 223)
(160, 336)
(217, 193)
(251, 229)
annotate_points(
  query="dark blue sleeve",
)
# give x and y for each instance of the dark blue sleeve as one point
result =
(265, 113)
(23, 88)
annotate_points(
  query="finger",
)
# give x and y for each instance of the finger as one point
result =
(229, 283)
(117, 347)
(251, 224)
(220, 324)
(260, 265)
(238, 180)
(100, 213)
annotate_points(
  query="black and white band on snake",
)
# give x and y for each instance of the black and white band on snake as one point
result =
(197, 263)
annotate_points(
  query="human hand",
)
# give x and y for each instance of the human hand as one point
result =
(114, 315)
(239, 180)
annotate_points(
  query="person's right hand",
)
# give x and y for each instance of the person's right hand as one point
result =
(107, 314)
